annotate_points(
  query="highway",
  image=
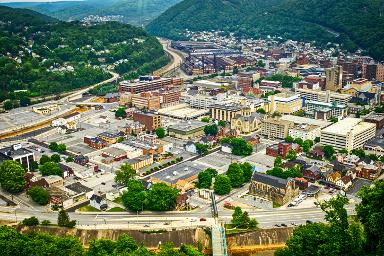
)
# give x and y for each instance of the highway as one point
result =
(176, 60)
(265, 218)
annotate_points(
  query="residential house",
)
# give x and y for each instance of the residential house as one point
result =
(333, 177)
(344, 183)
(98, 202)
(226, 148)
(312, 173)
(190, 146)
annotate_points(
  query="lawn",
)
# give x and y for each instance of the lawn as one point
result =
(116, 209)
(118, 200)
(88, 208)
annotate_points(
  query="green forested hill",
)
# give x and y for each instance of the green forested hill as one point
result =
(44, 56)
(133, 11)
(21, 17)
(355, 23)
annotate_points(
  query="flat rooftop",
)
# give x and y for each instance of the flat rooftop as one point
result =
(182, 111)
(187, 125)
(348, 125)
(180, 172)
(305, 120)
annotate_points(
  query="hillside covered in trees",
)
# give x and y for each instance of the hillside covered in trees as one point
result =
(40, 55)
(354, 23)
(135, 12)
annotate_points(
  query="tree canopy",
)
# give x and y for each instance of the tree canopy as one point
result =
(50, 168)
(125, 174)
(39, 195)
(222, 185)
(12, 176)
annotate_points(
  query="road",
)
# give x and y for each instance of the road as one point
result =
(10, 133)
(77, 93)
(176, 60)
(265, 218)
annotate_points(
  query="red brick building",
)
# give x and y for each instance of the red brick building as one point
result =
(153, 85)
(151, 121)
(146, 100)
(168, 97)
(95, 142)
(245, 79)
(282, 149)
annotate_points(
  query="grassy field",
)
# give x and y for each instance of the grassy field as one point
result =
(116, 209)
(88, 208)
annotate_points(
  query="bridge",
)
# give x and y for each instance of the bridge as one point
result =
(219, 241)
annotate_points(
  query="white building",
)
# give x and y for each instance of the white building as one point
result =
(132, 152)
(349, 133)
(305, 131)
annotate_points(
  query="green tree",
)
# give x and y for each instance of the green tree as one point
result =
(291, 155)
(222, 185)
(278, 162)
(44, 159)
(101, 247)
(205, 178)
(125, 174)
(241, 219)
(338, 237)
(237, 216)
(247, 171)
(162, 197)
(125, 244)
(50, 168)
(55, 158)
(211, 130)
(69, 159)
(261, 111)
(120, 113)
(135, 199)
(205, 119)
(329, 151)
(160, 132)
(221, 123)
(7, 105)
(299, 141)
(261, 63)
(53, 146)
(25, 101)
(63, 220)
(289, 139)
(61, 148)
(240, 147)
(39, 195)
(12, 176)
(202, 149)
(358, 152)
(236, 175)
(32, 221)
(307, 145)
(370, 213)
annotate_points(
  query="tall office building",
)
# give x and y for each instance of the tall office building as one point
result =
(334, 78)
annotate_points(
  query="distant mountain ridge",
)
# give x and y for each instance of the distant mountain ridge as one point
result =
(23, 17)
(136, 12)
(354, 23)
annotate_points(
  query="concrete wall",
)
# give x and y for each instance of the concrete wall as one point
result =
(151, 240)
(238, 244)
(262, 237)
